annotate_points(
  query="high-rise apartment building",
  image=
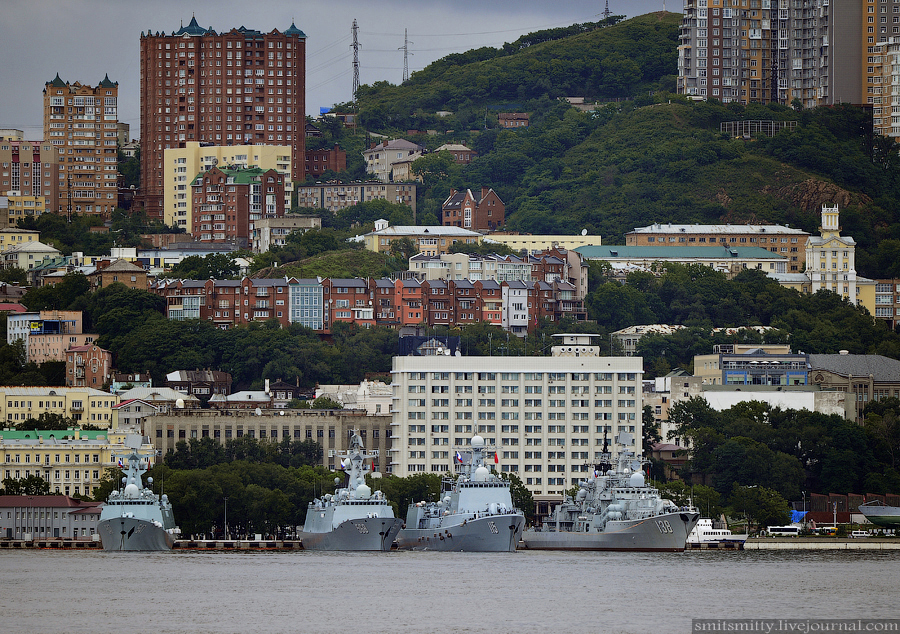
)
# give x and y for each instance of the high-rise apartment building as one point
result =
(81, 121)
(29, 177)
(240, 87)
(767, 51)
(549, 418)
(885, 86)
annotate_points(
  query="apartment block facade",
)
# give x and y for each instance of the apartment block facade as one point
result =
(337, 195)
(84, 404)
(237, 87)
(786, 241)
(30, 178)
(183, 164)
(81, 122)
(547, 424)
(88, 366)
(319, 303)
(886, 83)
(227, 203)
(775, 51)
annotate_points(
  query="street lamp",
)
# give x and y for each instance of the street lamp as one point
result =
(226, 518)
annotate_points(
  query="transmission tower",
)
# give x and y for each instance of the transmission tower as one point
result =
(355, 46)
(606, 12)
(406, 54)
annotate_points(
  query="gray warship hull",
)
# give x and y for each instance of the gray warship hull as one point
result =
(497, 533)
(881, 515)
(132, 534)
(366, 533)
(666, 532)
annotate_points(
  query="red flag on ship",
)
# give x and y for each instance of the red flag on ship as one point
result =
(496, 458)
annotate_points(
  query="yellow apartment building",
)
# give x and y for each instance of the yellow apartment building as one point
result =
(181, 166)
(83, 404)
(72, 461)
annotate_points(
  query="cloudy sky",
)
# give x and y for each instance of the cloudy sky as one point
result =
(83, 40)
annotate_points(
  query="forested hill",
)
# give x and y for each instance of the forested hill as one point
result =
(599, 62)
(644, 155)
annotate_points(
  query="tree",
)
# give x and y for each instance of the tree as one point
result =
(521, 496)
(759, 505)
(48, 421)
(651, 433)
(325, 402)
(213, 266)
(404, 248)
(14, 275)
(31, 485)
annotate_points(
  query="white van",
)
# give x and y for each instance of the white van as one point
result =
(859, 534)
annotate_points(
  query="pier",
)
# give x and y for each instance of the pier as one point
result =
(821, 543)
(238, 544)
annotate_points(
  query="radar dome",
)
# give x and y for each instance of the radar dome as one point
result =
(132, 491)
(363, 491)
(481, 474)
(477, 442)
(636, 480)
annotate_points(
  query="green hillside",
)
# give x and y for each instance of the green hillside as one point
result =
(638, 158)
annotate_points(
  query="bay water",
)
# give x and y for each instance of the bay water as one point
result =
(532, 591)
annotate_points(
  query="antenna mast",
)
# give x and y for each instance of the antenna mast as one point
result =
(406, 54)
(606, 13)
(355, 47)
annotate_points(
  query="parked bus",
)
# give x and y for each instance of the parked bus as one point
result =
(783, 531)
(830, 531)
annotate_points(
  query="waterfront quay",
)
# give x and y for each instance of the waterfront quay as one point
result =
(821, 543)
(180, 544)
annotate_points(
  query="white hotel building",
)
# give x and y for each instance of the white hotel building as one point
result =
(547, 417)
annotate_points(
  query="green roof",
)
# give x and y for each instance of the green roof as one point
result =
(663, 253)
(106, 83)
(56, 433)
(240, 176)
(57, 82)
(293, 30)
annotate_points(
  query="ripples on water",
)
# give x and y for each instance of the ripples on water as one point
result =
(555, 592)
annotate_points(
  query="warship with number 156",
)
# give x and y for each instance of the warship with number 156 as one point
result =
(353, 518)
(475, 514)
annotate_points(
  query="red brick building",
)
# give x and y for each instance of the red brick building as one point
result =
(319, 161)
(232, 88)
(513, 119)
(227, 203)
(477, 213)
(88, 366)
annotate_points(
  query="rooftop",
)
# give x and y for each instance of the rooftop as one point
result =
(677, 253)
(718, 229)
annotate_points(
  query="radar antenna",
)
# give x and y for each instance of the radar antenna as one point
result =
(355, 46)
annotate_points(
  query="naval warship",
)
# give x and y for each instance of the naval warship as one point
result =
(614, 509)
(353, 518)
(135, 518)
(476, 514)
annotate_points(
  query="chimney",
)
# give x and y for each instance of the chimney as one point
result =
(484, 191)
(267, 386)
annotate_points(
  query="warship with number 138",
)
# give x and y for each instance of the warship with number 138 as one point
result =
(615, 509)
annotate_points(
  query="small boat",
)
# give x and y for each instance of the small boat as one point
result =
(879, 513)
(706, 533)
(134, 517)
(353, 518)
(475, 513)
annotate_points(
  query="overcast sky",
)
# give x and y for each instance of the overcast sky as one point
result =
(84, 40)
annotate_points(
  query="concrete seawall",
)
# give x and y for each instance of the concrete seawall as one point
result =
(821, 543)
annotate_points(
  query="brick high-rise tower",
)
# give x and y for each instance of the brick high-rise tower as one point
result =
(81, 122)
(241, 87)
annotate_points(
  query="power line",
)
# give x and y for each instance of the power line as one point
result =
(519, 30)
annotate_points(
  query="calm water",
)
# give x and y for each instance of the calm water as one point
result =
(74, 592)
